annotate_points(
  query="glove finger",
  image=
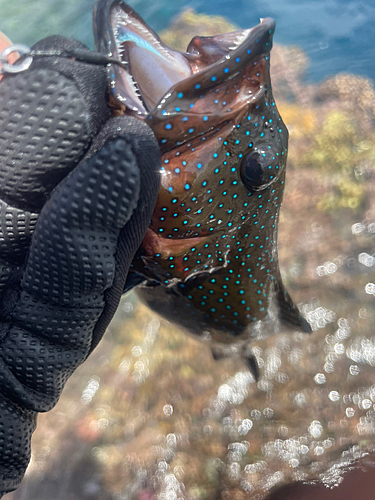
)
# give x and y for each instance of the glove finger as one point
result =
(147, 152)
(15, 424)
(72, 263)
(49, 115)
(72, 254)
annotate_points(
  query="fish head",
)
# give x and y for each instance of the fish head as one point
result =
(210, 252)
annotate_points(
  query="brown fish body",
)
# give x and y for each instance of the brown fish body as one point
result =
(209, 258)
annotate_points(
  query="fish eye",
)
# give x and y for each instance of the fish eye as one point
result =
(260, 168)
(251, 171)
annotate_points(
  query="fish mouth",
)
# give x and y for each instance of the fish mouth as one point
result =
(151, 70)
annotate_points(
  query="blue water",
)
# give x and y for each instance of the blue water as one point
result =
(337, 35)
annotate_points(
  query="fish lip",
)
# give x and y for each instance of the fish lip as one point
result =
(257, 43)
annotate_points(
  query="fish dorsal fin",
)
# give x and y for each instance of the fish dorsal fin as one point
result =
(289, 314)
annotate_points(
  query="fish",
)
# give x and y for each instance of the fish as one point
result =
(209, 260)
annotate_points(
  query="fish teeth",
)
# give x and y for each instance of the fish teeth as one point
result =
(121, 52)
(129, 77)
(134, 85)
(123, 19)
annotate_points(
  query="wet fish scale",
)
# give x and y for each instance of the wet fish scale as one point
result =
(240, 257)
(209, 258)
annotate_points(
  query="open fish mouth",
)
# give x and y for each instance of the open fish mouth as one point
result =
(192, 101)
(152, 69)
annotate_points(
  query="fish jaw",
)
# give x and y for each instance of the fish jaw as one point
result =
(120, 32)
(151, 69)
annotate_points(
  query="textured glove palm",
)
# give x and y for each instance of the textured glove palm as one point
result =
(77, 190)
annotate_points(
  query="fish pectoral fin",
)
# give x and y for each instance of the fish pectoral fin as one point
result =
(218, 353)
(253, 366)
(244, 353)
(288, 312)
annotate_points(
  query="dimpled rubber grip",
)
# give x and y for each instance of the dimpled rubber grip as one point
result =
(44, 133)
(16, 427)
(68, 233)
(16, 229)
(48, 118)
(71, 264)
(49, 115)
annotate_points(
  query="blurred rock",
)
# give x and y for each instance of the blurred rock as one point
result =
(189, 24)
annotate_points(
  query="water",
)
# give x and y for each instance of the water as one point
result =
(337, 35)
(151, 416)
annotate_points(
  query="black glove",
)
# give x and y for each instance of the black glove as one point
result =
(77, 190)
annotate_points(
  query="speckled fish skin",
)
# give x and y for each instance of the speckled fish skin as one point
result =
(209, 259)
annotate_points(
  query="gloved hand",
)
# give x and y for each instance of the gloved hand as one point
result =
(77, 190)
